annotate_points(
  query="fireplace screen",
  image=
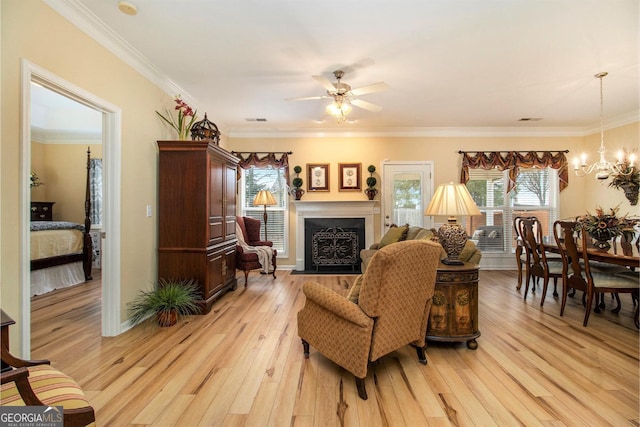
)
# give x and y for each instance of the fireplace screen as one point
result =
(334, 247)
(334, 243)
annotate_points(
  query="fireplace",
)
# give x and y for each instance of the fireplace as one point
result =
(333, 244)
(334, 210)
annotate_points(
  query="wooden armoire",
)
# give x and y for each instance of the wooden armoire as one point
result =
(197, 216)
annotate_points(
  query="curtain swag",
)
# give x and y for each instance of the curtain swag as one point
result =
(270, 159)
(513, 161)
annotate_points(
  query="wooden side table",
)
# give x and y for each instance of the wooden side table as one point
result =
(454, 313)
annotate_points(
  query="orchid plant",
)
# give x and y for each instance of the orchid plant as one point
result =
(185, 120)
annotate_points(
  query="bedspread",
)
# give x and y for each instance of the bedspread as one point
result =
(48, 243)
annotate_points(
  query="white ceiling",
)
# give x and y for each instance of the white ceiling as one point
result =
(451, 65)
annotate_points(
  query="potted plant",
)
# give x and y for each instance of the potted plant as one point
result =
(371, 183)
(627, 181)
(169, 300)
(297, 182)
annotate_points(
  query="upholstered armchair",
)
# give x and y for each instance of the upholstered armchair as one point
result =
(387, 308)
(36, 383)
(248, 258)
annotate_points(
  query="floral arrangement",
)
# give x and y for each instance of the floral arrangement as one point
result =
(35, 180)
(182, 124)
(629, 179)
(605, 226)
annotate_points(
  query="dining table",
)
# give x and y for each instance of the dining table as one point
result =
(621, 252)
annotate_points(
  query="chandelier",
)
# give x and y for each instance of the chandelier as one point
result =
(623, 166)
(339, 108)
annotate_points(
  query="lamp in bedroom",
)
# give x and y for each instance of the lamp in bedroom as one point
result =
(452, 200)
(264, 198)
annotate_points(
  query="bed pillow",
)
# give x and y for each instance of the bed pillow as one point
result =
(393, 235)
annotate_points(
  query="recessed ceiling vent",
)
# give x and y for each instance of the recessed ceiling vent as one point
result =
(530, 119)
(256, 119)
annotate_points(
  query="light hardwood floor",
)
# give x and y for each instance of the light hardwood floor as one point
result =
(242, 364)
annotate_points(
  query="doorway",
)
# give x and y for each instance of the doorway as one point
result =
(111, 144)
(407, 190)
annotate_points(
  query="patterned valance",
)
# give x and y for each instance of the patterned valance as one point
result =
(269, 159)
(513, 161)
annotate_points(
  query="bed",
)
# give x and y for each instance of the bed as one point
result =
(61, 251)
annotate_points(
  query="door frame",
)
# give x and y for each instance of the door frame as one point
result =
(111, 148)
(428, 185)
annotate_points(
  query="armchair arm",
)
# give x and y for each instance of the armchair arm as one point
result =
(16, 362)
(20, 377)
(336, 303)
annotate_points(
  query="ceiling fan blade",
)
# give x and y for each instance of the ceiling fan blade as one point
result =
(366, 105)
(325, 82)
(307, 98)
(375, 87)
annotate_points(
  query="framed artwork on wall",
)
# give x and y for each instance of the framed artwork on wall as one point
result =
(349, 174)
(317, 177)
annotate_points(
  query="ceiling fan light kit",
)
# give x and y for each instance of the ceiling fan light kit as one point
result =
(343, 96)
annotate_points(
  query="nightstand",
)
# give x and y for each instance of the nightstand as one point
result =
(42, 211)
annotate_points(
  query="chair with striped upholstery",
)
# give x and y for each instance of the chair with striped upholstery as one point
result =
(37, 383)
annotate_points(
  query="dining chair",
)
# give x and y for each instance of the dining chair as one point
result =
(538, 265)
(578, 274)
(520, 254)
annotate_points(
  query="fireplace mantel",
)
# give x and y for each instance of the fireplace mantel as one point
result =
(331, 209)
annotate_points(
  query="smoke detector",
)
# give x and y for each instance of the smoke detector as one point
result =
(127, 8)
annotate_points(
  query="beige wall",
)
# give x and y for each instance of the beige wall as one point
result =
(598, 193)
(63, 169)
(71, 55)
(68, 53)
(443, 151)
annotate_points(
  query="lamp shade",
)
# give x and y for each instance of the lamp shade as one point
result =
(452, 200)
(264, 197)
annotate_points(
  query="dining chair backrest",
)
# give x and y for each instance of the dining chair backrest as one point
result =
(574, 272)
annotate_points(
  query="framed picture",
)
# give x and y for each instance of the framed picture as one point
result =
(349, 176)
(318, 177)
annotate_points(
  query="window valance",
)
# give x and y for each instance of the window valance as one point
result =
(513, 161)
(269, 159)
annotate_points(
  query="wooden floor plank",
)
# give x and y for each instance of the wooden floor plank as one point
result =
(242, 364)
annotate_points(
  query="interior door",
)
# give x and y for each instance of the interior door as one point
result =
(407, 190)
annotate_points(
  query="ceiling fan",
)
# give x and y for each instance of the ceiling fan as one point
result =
(343, 96)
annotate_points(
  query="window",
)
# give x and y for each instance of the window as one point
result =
(269, 178)
(535, 193)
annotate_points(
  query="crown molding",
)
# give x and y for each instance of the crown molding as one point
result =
(80, 16)
(47, 136)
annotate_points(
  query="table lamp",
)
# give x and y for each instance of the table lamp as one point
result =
(264, 198)
(452, 200)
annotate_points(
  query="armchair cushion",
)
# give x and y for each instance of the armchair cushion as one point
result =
(51, 386)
